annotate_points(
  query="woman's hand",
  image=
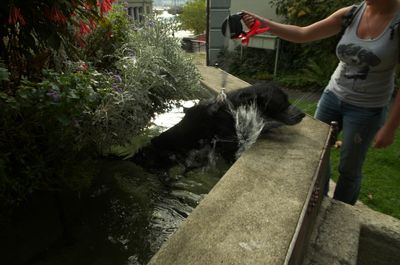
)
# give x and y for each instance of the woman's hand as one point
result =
(384, 137)
(387, 133)
(250, 18)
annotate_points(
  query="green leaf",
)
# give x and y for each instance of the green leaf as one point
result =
(4, 74)
(64, 120)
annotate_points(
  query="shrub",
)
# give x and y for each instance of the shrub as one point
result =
(36, 33)
(110, 35)
(194, 16)
(46, 138)
(153, 60)
(299, 12)
(56, 123)
(248, 63)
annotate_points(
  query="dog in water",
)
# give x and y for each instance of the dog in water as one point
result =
(222, 125)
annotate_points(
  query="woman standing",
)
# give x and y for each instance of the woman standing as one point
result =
(360, 89)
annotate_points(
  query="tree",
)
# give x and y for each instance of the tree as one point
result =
(32, 32)
(194, 16)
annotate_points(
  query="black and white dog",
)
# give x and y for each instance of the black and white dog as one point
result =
(215, 123)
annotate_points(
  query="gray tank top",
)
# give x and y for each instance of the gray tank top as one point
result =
(366, 71)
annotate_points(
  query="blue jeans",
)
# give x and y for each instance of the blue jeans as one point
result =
(358, 126)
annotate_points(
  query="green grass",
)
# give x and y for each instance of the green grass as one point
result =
(380, 188)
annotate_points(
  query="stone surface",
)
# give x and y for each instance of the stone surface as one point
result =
(353, 235)
(335, 239)
(250, 216)
(213, 79)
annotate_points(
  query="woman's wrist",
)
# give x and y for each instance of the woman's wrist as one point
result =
(265, 23)
(389, 130)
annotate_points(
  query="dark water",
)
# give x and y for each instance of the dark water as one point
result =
(129, 213)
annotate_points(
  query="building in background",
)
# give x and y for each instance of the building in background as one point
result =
(138, 8)
(169, 3)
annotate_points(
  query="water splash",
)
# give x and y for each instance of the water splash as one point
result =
(249, 124)
(221, 96)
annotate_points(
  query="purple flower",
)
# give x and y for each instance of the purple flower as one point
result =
(118, 78)
(75, 123)
(54, 95)
(117, 88)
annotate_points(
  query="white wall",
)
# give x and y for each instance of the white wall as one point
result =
(260, 7)
(220, 9)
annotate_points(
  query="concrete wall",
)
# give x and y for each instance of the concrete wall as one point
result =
(251, 215)
(254, 213)
(261, 7)
(219, 10)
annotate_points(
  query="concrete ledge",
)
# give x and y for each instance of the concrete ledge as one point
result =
(353, 235)
(250, 216)
(335, 239)
(213, 79)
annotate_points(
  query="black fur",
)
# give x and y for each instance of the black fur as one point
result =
(211, 122)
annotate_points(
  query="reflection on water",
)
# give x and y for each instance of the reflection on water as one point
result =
(129, 213)
(166, 120)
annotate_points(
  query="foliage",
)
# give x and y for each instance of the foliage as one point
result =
(305, 12)
(379, 189)
(45, 138)
(299, 12)
(55, 123)
(381, 179)
(194, 16)
(314, 76)
(109, 36)
(317, 73)
(4, 74)
(248, 63)
(152, 59)
(294, 81)
(35, 31)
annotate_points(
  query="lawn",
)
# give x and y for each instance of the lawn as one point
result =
(380, 188)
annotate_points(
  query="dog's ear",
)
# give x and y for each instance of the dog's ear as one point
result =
(214, 108)
(246, 98)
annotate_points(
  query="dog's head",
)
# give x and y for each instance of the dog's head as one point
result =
(271, 101)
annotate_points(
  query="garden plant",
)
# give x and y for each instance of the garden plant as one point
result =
(78, 77)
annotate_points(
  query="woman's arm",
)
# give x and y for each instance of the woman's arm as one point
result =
(386, 134)
(319, 30)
